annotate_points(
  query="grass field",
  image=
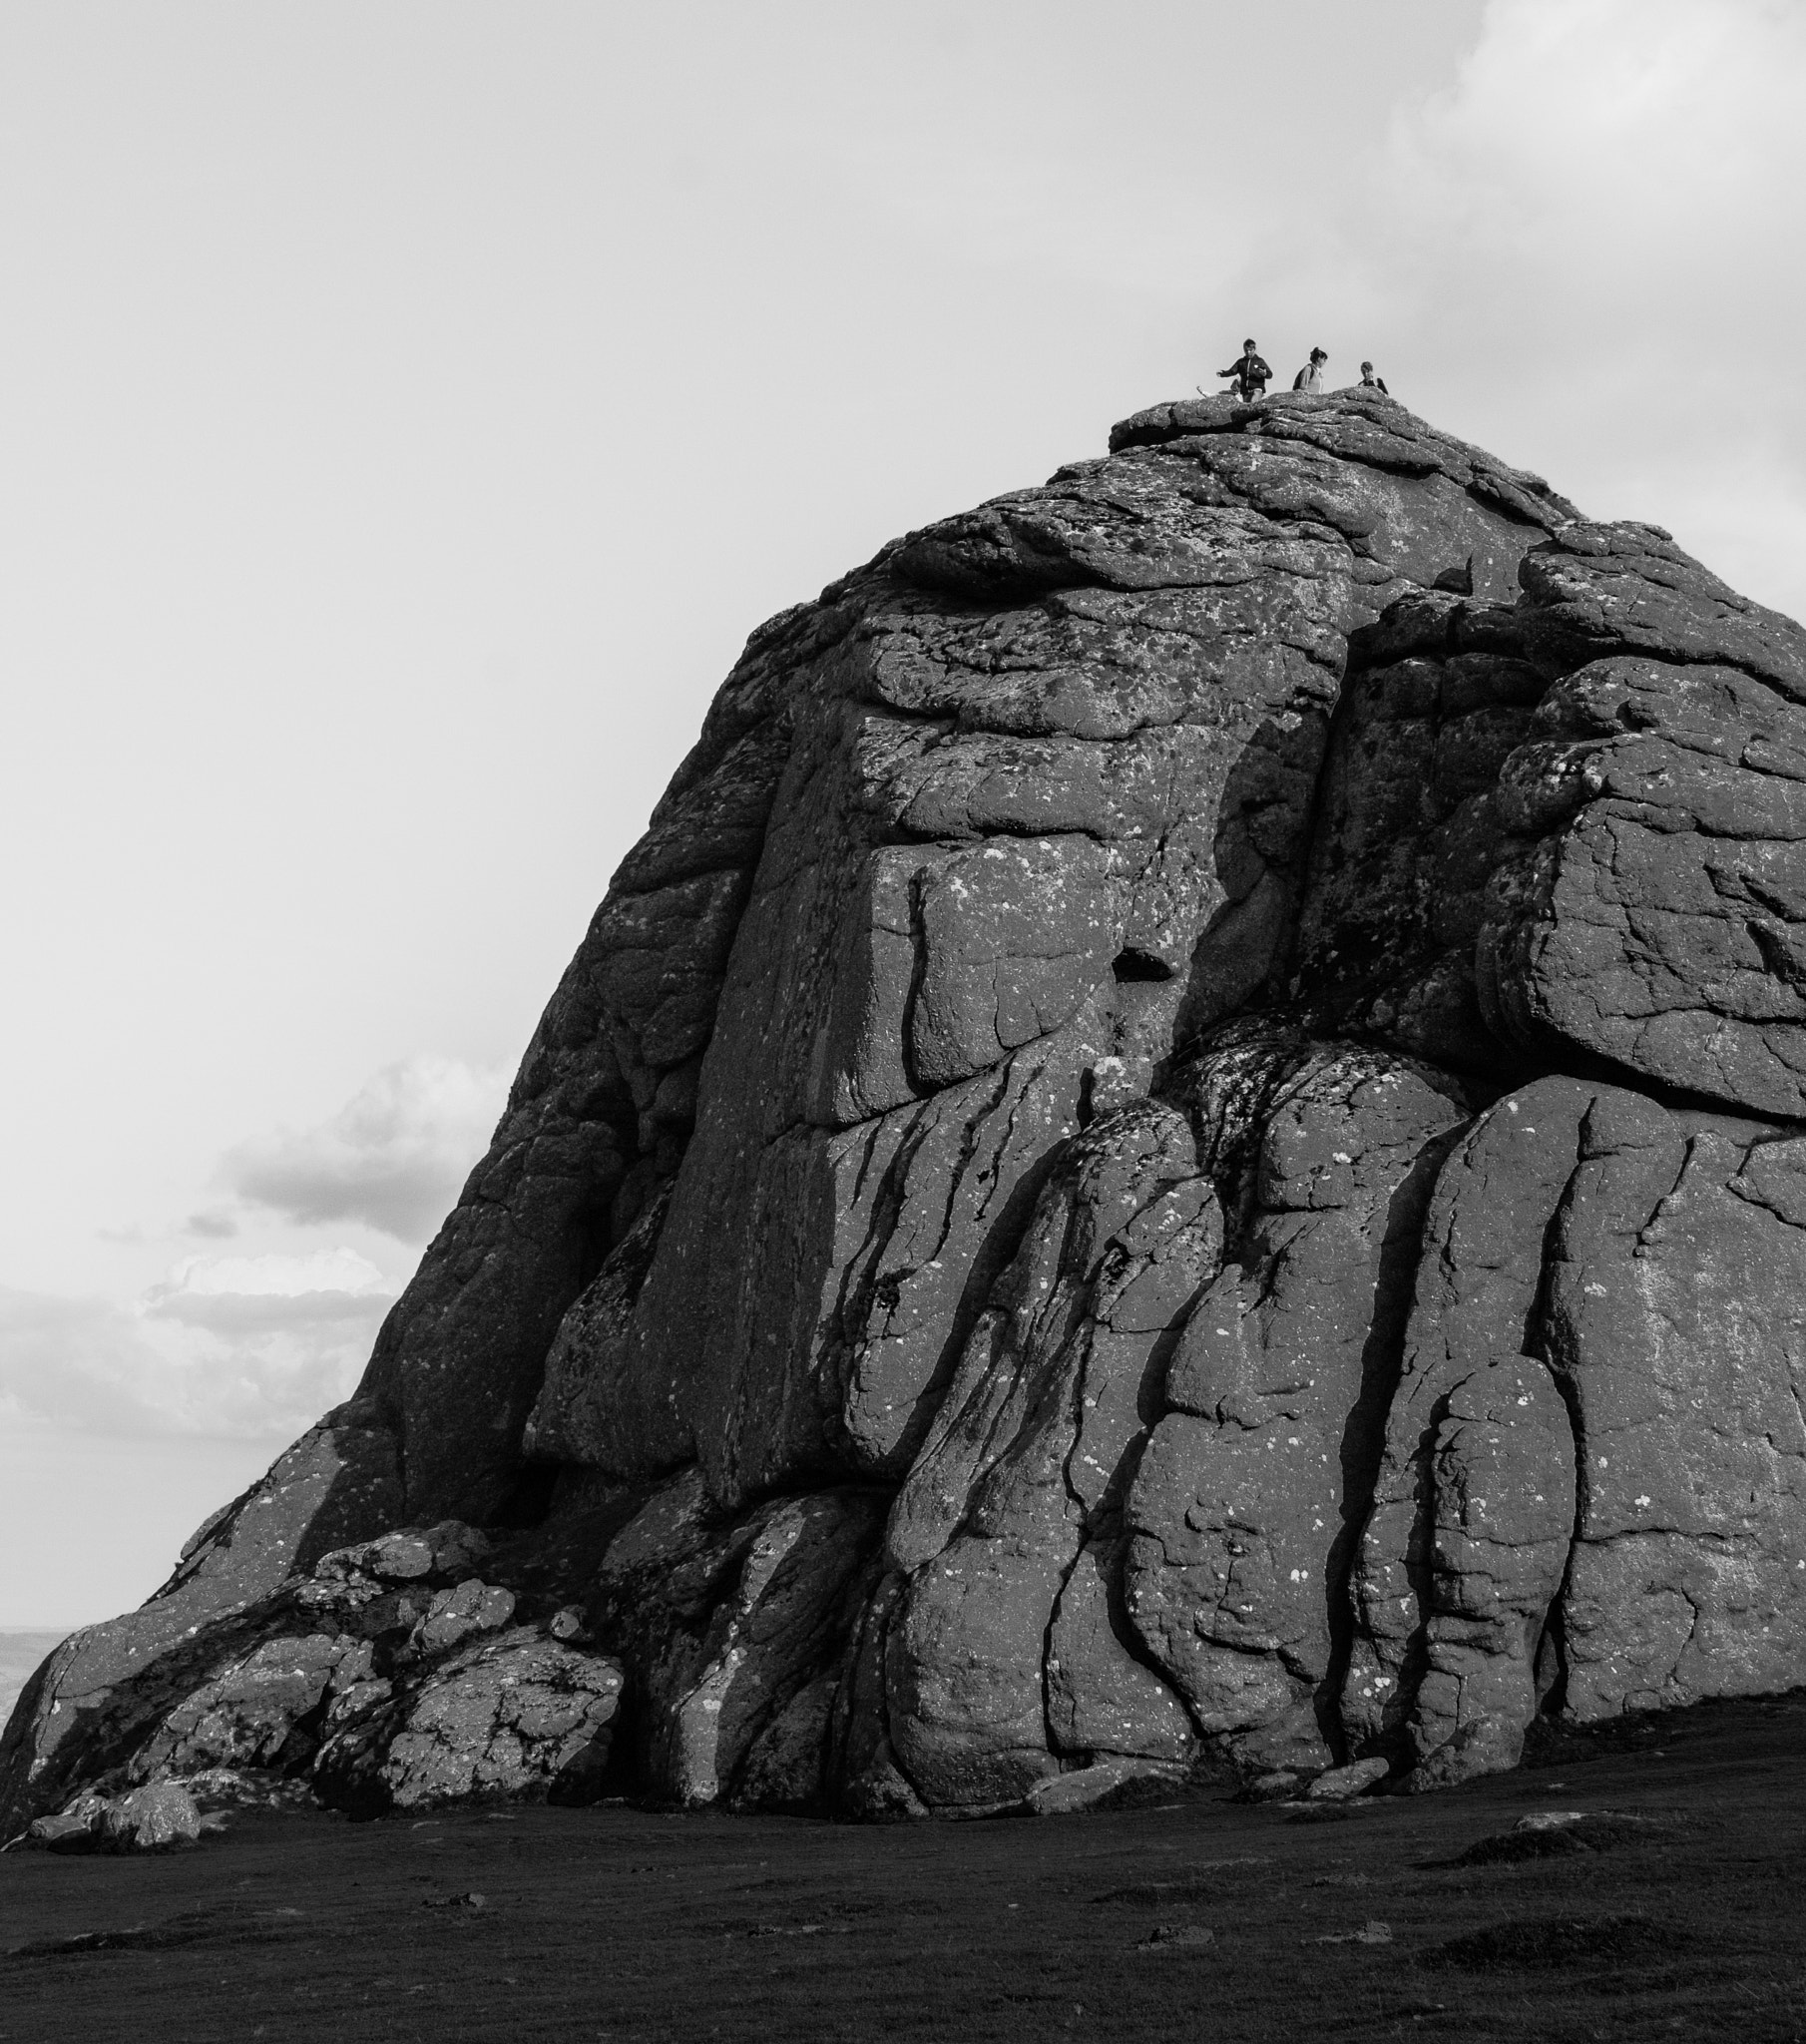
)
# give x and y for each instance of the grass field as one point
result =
(1198, 1921)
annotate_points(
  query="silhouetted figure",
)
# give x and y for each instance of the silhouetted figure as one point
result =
(1310, 377)
(1369, 381)
(1251, 375)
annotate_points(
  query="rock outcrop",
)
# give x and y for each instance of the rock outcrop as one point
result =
(1182, 1152)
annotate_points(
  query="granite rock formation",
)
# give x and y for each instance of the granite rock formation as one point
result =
(1179, 1153)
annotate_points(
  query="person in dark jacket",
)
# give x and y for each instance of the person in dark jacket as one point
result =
(1369, 381)
(1310, 378)
(1251, 374)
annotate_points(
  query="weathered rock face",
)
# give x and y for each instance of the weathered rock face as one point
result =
(1256, 1481)
(389, 1674)
(1180, 1151)
(1592, 1485)
(1004, 1653)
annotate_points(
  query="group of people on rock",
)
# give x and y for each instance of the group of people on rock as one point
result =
(1251, 375)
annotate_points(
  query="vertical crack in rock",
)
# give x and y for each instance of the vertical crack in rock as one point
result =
(1468, 1539)
(1243, 1503)
(592, 1410)
(1104, 1694)
(997, 1662)
(1364, 1436)
(1410, 829)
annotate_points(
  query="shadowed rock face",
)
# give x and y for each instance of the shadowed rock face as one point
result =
(1179, 1151)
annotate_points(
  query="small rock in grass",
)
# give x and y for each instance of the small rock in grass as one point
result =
(69, 1830)
(1176, 1937)
(1559, 1833)
(1354, 1780)
(1104, 1781)
(1373, 1932)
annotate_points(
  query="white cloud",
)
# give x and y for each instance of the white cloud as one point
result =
(1583, 255)
(276, 1294)
(244, 1347)
(394, 1157)
(255, 1346)
(1621, 178)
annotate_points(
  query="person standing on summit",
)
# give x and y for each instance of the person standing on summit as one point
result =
(1310, 378)
(1251, 374)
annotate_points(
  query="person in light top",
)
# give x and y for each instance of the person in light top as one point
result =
(1310, 377)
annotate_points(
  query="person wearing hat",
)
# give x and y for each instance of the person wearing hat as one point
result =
(1369, 381)
(1310, 377)
(1250, 373)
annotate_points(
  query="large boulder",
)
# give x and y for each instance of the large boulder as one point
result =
(1178, 1155)
(161, 1817)
(728, 1623)
(515, 1717)
(1254, 1484)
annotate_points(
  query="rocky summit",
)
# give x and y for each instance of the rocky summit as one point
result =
(1179, 1155)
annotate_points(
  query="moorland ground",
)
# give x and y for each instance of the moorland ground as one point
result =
(622, 1923)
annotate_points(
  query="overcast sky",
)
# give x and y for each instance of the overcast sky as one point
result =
(408, 406)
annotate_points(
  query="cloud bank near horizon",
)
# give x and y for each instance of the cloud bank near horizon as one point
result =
(255, 1346)
(228, 1348)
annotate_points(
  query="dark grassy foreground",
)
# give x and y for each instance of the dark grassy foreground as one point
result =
(622, 1923)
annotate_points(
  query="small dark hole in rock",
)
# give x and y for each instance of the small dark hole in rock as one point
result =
(527, 1502)
(1141, 965)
